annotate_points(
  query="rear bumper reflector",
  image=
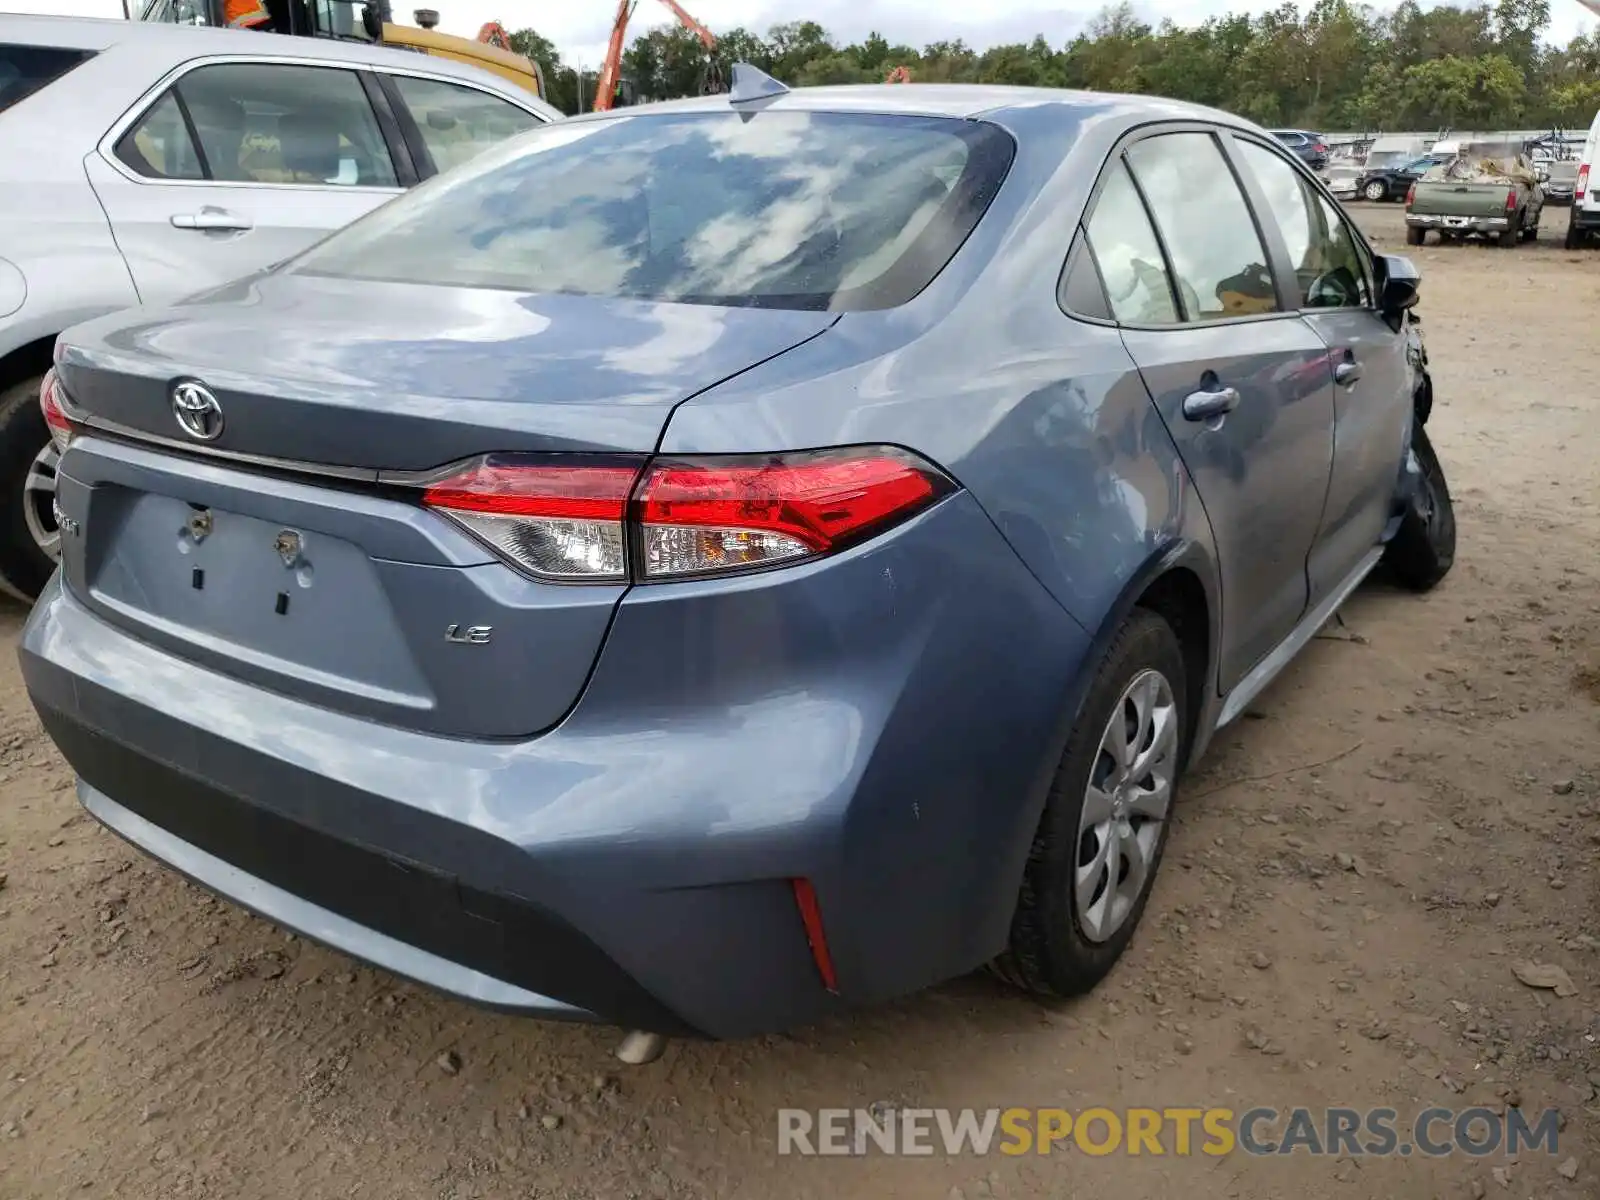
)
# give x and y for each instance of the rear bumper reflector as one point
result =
(805, 898)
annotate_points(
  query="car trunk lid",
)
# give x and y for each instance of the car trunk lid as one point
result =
(289, 556)
(396, 377)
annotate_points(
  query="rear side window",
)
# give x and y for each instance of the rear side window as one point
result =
(26, 69)
(1129, 255)
(779, 210)
(459, 123)
(1206, 226)
(262, 123)
(159, 146)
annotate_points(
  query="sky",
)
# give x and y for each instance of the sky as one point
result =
(580, 30)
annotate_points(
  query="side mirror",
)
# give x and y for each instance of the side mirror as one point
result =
(373, 15)
(1398, 284)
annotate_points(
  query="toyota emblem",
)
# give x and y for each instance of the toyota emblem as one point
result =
(197, 411)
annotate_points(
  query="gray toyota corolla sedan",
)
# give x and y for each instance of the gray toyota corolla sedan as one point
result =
(708, 566)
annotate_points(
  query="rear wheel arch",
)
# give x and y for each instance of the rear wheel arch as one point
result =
(27, 361)
(24, 567)
(1179, 598)
(1180, 583)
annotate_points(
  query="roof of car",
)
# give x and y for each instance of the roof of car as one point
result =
(944, 100)
(188, 41)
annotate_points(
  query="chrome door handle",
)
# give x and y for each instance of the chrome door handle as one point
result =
(1347, 372)
(216, 219)
(1206, 406)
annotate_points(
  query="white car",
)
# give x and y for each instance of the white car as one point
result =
(140, 163)
(1583, 221)
(1342, 178)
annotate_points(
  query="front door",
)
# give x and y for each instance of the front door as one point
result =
(1244, 388)
(1372, 380)
(238, 166)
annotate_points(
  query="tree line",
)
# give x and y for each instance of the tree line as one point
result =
(1337, 65)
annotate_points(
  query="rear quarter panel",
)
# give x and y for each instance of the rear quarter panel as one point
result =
(64, 265)
(1042, 419)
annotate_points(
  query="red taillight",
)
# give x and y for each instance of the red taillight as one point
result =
(1511, 200)
(557, 519)
(570, 517)
(1583, 182)
(805, 899)
(1411, 194)
(62, 430)
(701, 515)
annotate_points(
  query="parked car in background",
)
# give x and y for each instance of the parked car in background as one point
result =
(1393, 182)
(1342, 179)
(706, 567)
(1560, 182)
(1309, 147)
(1583, 218)
(1485, 191)
(145, 162)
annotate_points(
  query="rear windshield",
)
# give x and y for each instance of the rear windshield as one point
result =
(776, 209)
(26, 69)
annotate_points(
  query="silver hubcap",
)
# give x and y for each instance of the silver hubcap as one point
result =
(1125, 805)
(39, 502)
(1374, 191)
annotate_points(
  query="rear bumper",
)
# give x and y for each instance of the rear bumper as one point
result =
(1454, 224)
(874, 723)
(1584, 217)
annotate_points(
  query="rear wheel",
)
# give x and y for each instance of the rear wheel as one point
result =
(1104, 827)
(1424, 548)
(29, 538)
(1576, 238)
(1509, 237)
(1415, 235)
(1376, 191)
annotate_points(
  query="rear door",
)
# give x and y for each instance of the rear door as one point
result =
(236, 165)
(1242, 383)
(1332, 286)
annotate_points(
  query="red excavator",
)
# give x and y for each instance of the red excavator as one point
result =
(606, 87)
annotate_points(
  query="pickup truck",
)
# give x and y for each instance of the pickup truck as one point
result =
(1472, 195)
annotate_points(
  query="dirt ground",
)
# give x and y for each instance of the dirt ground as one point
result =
(1412, 809)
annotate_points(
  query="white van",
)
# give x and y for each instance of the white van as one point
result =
(1584, 222)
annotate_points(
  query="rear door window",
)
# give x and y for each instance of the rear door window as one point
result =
(284, 123)
(771, 209)
(262, 123)
(1206, 226)
(458, 123)
(26, 69)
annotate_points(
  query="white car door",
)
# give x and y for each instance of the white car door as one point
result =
(238, 165)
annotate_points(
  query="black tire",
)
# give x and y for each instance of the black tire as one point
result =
(1415, 235)
(1508, 238)
(1376, 191)
(24, 568)
(1049, 952)
(1423, 550)
(1531, 233)
(1575, 238)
